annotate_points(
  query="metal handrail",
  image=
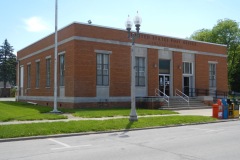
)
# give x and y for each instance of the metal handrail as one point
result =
(182, 95)
(165, 97)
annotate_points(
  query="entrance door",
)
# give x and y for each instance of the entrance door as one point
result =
(164, 84)
(187, 85)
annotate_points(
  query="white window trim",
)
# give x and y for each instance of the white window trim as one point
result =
(102, 51)
(212, 62)
(48, 57)
(61, 53)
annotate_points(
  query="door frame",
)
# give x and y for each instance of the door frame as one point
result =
(190, 85)
(164, 90)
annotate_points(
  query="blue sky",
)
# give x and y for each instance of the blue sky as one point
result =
(26, 21)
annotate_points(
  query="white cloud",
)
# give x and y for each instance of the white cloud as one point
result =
(36, 24)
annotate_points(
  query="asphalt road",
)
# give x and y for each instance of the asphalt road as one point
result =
(216, 141)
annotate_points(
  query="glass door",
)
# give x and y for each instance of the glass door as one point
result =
(186, 85)
(164, 84)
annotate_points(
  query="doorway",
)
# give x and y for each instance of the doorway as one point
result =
(164, 84)
(187, 85)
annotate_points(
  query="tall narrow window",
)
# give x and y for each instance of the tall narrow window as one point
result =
(62, 68)
(140, 71)
(48, 72)
(37, 74)
(29, 76)
(187, 68)
(212, 75)
(102, 69)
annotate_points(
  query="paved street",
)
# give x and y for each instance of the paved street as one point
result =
(206, 142)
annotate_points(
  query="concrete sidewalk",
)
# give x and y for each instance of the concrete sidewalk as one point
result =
(7, 99)
(200, 112)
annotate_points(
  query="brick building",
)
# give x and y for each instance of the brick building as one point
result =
(94, 67)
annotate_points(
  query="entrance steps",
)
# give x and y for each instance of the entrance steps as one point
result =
(176, 103)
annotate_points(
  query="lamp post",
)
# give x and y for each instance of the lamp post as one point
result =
(137, 21)
(55, 110)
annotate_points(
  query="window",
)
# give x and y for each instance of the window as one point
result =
(37, 74)
(140, 71)
(48, 72)
(212, 75)
(164, 66)
(102, 69)
(29, 76)
(187, 68)
(62, 68)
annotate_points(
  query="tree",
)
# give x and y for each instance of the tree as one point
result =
(203, 35)
(226, 32)
(7, 66)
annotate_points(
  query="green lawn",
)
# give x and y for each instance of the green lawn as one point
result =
(35, 129)
(10, 111)
(97, 113)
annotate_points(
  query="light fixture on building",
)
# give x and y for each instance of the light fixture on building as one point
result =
(131, 35)
(179, 66)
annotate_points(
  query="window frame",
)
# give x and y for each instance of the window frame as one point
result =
(190, 68)
(61, 69)
(140, 72)
(212, 75)
(48, 72)
(37, 82)
(29, 75)
(102, 69)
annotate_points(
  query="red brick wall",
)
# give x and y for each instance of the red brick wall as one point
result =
(120, 70)
(42, 90)
(222, 74)
(47, 41)
(85, 69)
(177, 72)
(76, 29)
(152, 71)
(149, 39)
(202, 72)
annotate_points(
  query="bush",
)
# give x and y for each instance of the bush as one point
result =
(13, 92)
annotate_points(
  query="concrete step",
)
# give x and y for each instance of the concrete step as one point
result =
(176, 103)
(184, 107)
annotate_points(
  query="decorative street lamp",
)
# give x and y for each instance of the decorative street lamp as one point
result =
(137, 21)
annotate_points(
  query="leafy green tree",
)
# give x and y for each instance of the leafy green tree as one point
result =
(7, 66)
(227, 32)
(203, 35)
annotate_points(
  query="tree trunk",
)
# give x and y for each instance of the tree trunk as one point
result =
(4, 91)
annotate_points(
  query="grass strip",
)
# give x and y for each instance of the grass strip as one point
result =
(36, 129)
(23, 111)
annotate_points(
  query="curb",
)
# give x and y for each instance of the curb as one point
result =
(111, 131)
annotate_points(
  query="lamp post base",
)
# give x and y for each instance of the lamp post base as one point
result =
(56, 111)
(133, 118)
